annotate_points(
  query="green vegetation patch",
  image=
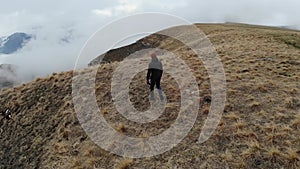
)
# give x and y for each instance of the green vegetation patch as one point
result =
(290, 39)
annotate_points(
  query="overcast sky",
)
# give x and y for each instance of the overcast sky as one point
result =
(61, 27)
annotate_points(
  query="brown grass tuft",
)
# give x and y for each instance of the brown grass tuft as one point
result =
(232, 116)
(274, 154)
(291, 103)
(75, 162)
(124, 164)
(121, 127)
(296, 121)
(240, 124)
(292, 155)
(66, 133)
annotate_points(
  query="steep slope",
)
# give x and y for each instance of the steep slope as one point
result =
(259, 127)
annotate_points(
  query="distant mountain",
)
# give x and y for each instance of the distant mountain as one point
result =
(14, 42)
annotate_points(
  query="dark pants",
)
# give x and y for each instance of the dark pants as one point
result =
(155, 82)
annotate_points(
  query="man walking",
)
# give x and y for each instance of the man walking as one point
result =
(154, 74)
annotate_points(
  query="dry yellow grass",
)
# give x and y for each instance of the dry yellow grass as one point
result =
(124, 164)
(259, 129)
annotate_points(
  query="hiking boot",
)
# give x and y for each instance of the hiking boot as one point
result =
(161, 94)
(152, 95)
(161, 97)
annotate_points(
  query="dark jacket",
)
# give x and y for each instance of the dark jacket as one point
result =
(155, 70)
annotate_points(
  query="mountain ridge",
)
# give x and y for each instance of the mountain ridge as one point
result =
(259, 127)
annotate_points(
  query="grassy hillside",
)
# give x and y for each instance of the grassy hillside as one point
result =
(260, 126)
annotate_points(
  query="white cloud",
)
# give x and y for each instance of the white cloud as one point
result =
(103, 12)
(121, 8)
(128, 8)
